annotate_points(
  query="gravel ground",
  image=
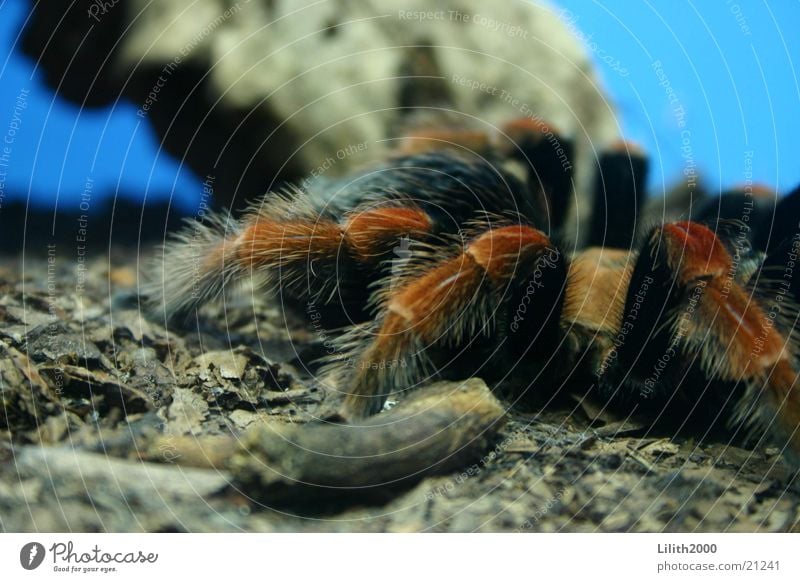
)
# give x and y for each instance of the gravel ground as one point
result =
(101, 409)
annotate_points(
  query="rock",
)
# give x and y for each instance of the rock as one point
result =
(25, 396)
(130, 495)
(126, 461)
(187, 411)
(229, 364)
(57, 344)
(304, 86)
(97, 390)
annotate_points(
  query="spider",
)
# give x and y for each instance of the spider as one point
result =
(449, 259)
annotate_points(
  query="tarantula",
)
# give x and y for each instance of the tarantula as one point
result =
(448, 259)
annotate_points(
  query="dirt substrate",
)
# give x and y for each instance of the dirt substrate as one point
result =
(111, 423)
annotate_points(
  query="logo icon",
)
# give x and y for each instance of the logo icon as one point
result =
(31, 555)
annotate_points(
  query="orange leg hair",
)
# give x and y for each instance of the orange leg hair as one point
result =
(450, 301)
(743, 344)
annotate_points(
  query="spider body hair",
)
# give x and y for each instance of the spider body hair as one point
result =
(677, 318)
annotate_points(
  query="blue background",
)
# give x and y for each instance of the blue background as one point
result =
(732, 65)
